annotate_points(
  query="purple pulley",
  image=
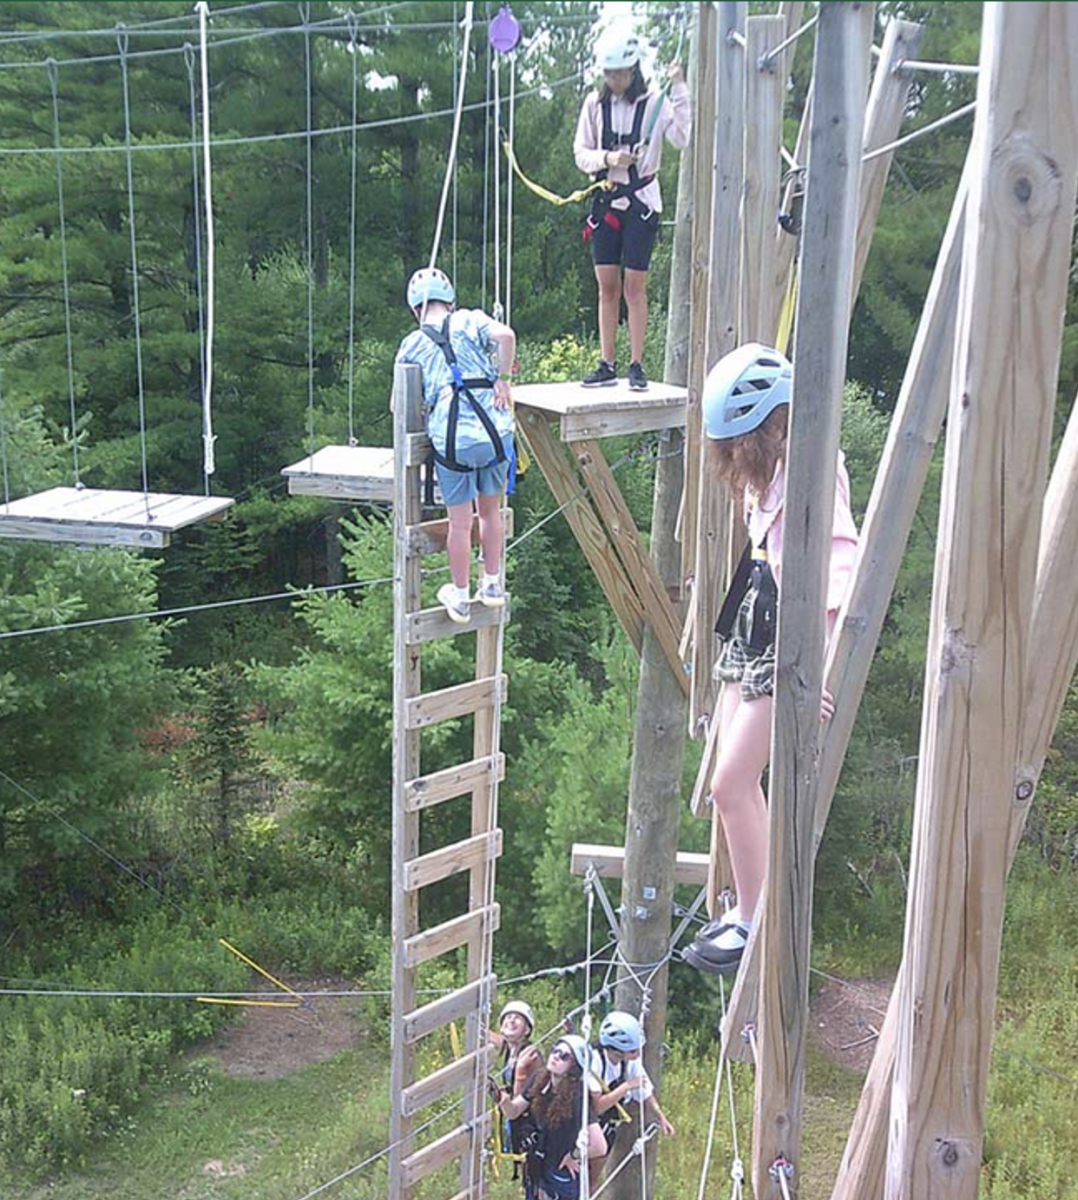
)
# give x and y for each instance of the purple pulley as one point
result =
(504, 32)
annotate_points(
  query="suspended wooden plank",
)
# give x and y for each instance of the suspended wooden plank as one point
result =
(605, 412)
(101, 517)
(353, 472)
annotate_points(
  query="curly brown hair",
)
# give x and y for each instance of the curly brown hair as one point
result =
(749, 461)
(553, 1106)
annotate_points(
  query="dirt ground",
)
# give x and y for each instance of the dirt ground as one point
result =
(267, 1043)
(847, 1018)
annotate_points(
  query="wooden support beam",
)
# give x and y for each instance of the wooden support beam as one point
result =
(450, 860)
(1013, 292)
(428, 790)
(639, 568)
(431, 624)
(844, 36)
(450, 1078)
(444, 1150)
(588, 530)
(715, 517)
(407, 585)
(764, 95)
(703, 150)
(886, 107)
(1055, 623)
(461, 700)
(446, 1009)
(609, 863)
(440, 939)
(896, 493)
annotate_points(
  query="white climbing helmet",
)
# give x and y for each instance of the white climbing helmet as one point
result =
(743, 389)
(522, 1009)
(621, 1031)
(429, 284)
(580, 1049)
(620, 49)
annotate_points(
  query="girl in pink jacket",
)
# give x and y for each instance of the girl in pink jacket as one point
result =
(745, 408)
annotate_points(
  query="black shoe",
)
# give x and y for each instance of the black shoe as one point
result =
(720, 955)
(604, 375)
(638, 381)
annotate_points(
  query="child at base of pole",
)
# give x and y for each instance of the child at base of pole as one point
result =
(745, 408)
(619, 137)
(620, 1070)
(465, 357)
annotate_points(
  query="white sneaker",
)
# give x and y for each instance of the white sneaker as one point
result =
(455, 602)
(490, 593)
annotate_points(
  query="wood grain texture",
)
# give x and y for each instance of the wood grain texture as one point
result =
(844, 35)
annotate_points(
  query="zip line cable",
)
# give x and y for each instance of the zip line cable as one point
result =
(196, 209)
(208, 439)
(353, 49)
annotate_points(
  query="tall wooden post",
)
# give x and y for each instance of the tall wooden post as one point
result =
(843, 38)
(703, 187)
(1010, 316)
(659, 735)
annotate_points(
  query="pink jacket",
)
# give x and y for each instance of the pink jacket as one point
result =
(674, 123)
(765, 520)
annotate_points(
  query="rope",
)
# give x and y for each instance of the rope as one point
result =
(189, 61)
(638, 1149)
(456, 188)
(353, 49)
(509, 193)
(497, 311)
(590, 877)
(305, 10)
(544, 193)
(54, 89)
(486, 170)
(121, 39)
(3, 446)
(208, 439)
(293, 135)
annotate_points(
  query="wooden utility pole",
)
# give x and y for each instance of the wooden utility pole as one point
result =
(1016, 262)
(654, 810)
(843, 40)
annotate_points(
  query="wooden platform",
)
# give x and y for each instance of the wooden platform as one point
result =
(95, 517)
(606, 411)
(346, 473)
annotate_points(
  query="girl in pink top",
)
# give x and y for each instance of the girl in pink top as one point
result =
(619, 137)
(746, 407)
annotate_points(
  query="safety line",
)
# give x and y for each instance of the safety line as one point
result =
(931, 127)
(208, 439)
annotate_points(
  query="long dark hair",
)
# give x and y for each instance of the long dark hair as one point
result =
(637, 88)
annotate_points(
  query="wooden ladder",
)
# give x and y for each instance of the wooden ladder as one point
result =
(413, 793)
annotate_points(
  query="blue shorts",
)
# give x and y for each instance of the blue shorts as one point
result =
(489, 478)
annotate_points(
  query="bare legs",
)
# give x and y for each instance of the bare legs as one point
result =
(739, 798)
(636, 300)
(609, 280)
(459, 542)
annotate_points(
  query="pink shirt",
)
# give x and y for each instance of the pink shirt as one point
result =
(765, 519)
(674, 123)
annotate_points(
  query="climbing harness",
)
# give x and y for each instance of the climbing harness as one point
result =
(754, 575)
(601, 205)
(462, 388)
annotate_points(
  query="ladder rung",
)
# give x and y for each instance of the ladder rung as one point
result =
(450, 702)
(444, 1150)
(428, 790)
(434, 623)
(450, 860)
(428, 537)
(446, 1009)
(440, 939)
(459, 1074)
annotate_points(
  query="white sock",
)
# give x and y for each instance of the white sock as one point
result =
(732, 915)
(489, 580)
(461, 593)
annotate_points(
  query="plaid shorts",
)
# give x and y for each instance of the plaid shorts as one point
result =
(739, 663)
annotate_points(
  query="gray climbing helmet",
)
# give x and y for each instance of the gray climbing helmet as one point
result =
(743, 389)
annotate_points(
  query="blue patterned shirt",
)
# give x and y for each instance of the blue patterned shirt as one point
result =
(469, 335)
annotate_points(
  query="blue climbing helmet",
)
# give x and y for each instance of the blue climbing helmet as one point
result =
(743, 389)
(429, 284)
(580, 1049)
(621, 1031)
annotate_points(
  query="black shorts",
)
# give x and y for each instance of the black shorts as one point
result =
(629, 246)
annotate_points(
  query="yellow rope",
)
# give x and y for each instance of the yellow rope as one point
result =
(786, 318)
(251, 1003)
(543, 193)
(265, 975)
